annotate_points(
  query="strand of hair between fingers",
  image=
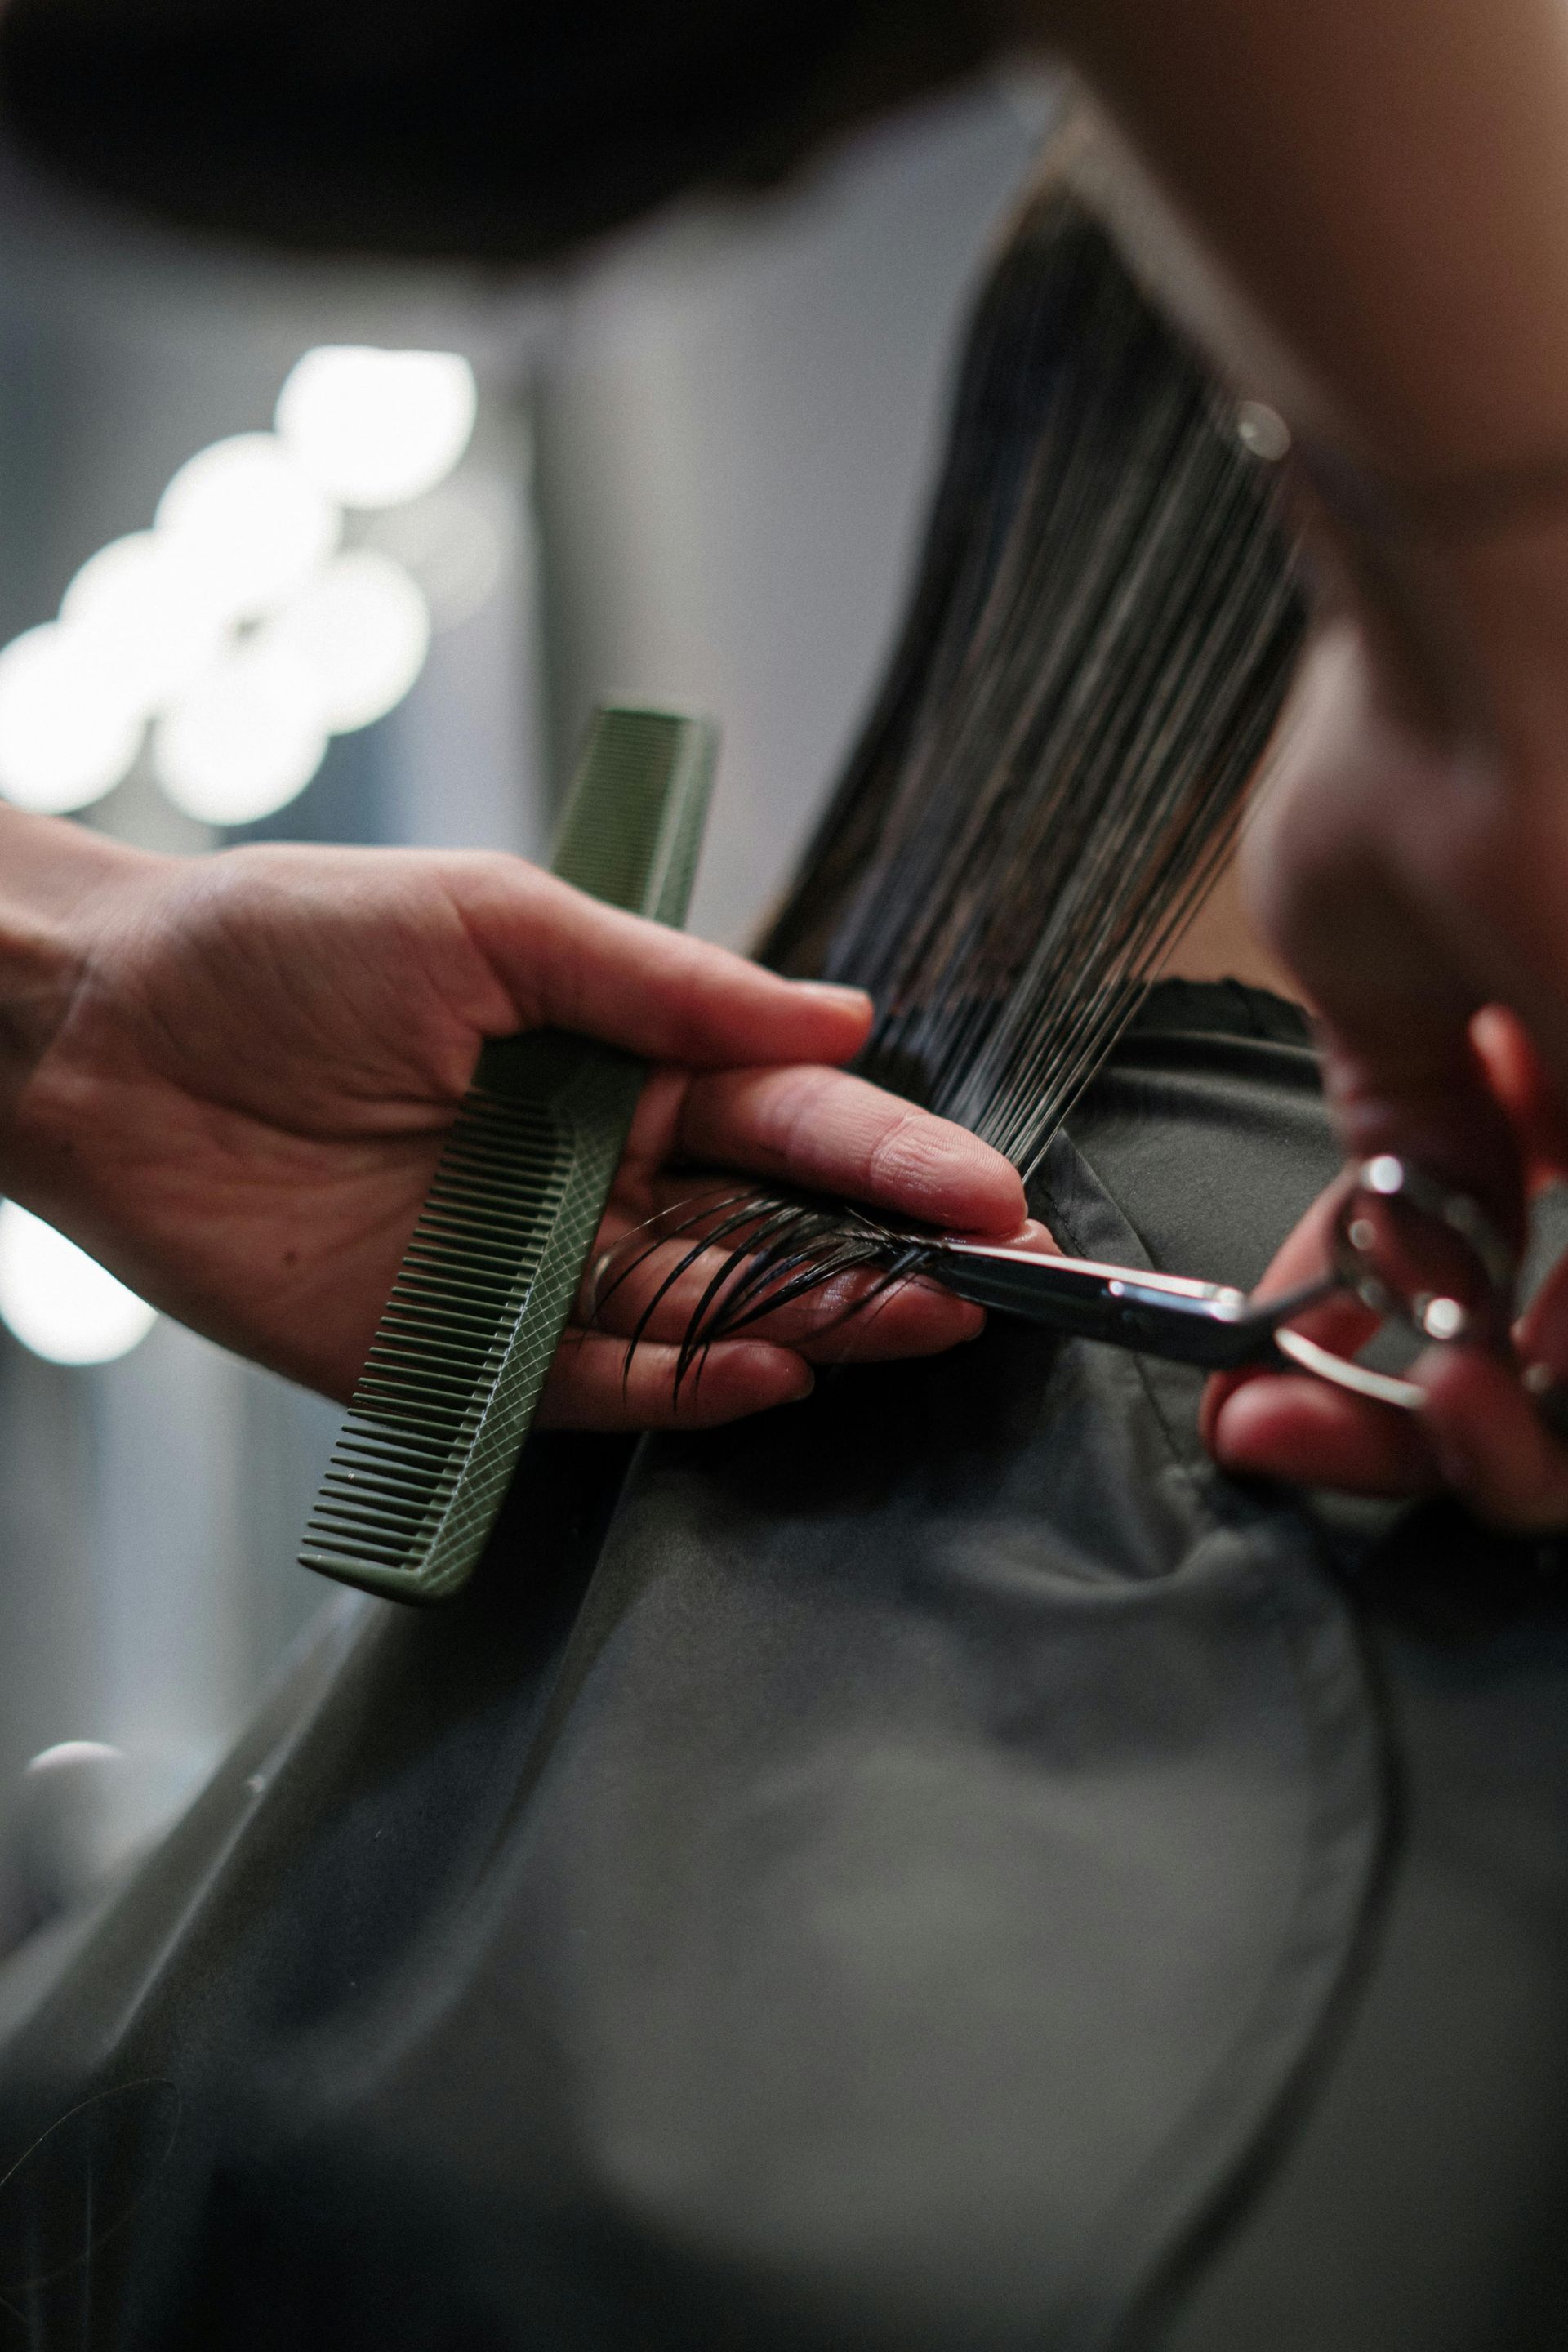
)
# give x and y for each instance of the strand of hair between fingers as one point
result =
(774, 1250)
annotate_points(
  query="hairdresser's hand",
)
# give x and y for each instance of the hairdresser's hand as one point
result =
(1481, 1434)
(230, 1078)
(1411, 863)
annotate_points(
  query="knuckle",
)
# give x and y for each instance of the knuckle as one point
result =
(896, 1162)
(793, 1108)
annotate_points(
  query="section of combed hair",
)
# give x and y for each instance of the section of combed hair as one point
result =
(1102, 630)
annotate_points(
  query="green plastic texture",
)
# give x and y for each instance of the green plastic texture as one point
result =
(449, 1388)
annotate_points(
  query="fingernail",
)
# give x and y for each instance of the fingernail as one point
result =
(834, 993)
(807, 1383)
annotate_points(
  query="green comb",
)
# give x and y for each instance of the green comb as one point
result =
(444, 1403)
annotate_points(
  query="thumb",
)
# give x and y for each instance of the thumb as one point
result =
(566, 961)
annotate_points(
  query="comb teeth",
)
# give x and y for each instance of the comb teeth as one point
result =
(442, 1344)
(618, 842)
(612, 838)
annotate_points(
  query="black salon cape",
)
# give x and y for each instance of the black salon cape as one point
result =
(943, 1871)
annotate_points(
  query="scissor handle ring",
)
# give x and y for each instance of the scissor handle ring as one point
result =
(1432, 1314)
(1344, 1372)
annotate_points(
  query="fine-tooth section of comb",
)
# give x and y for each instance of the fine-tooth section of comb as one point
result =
(476, 1314)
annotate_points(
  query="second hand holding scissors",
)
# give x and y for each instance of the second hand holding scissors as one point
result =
(1408, 1248)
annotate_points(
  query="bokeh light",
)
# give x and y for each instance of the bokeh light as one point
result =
(233, 626)
(59, 1302)
(245, 739)
(374, 427)
(67, 731)
(152, 622)
(250, 523)
(361, 629)
(458, 543)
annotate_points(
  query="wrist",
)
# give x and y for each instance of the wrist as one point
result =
(57, 880)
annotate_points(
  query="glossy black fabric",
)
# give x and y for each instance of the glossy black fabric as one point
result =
(956, 1873)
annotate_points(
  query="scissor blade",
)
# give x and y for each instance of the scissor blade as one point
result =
(1164, 1315)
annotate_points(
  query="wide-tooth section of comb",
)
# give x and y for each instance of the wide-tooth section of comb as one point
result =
(461, 1353)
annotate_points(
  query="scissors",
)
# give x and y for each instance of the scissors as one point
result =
(1408, 1248)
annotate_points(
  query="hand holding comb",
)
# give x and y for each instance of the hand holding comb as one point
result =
(454, 1373)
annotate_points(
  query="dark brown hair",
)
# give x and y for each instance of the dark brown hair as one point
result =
(1101, 633)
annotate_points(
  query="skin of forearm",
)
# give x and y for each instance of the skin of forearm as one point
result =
(1383, 184)
(54, 880)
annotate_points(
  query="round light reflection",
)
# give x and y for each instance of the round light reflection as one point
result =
(59, 1302)
(361, 629)
(374, 427)
(150, 614)
(68, 733)
(458, 544)
(247, 739)
(250, 523)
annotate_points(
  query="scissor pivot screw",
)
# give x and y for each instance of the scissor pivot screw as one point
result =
(1442, 1318)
